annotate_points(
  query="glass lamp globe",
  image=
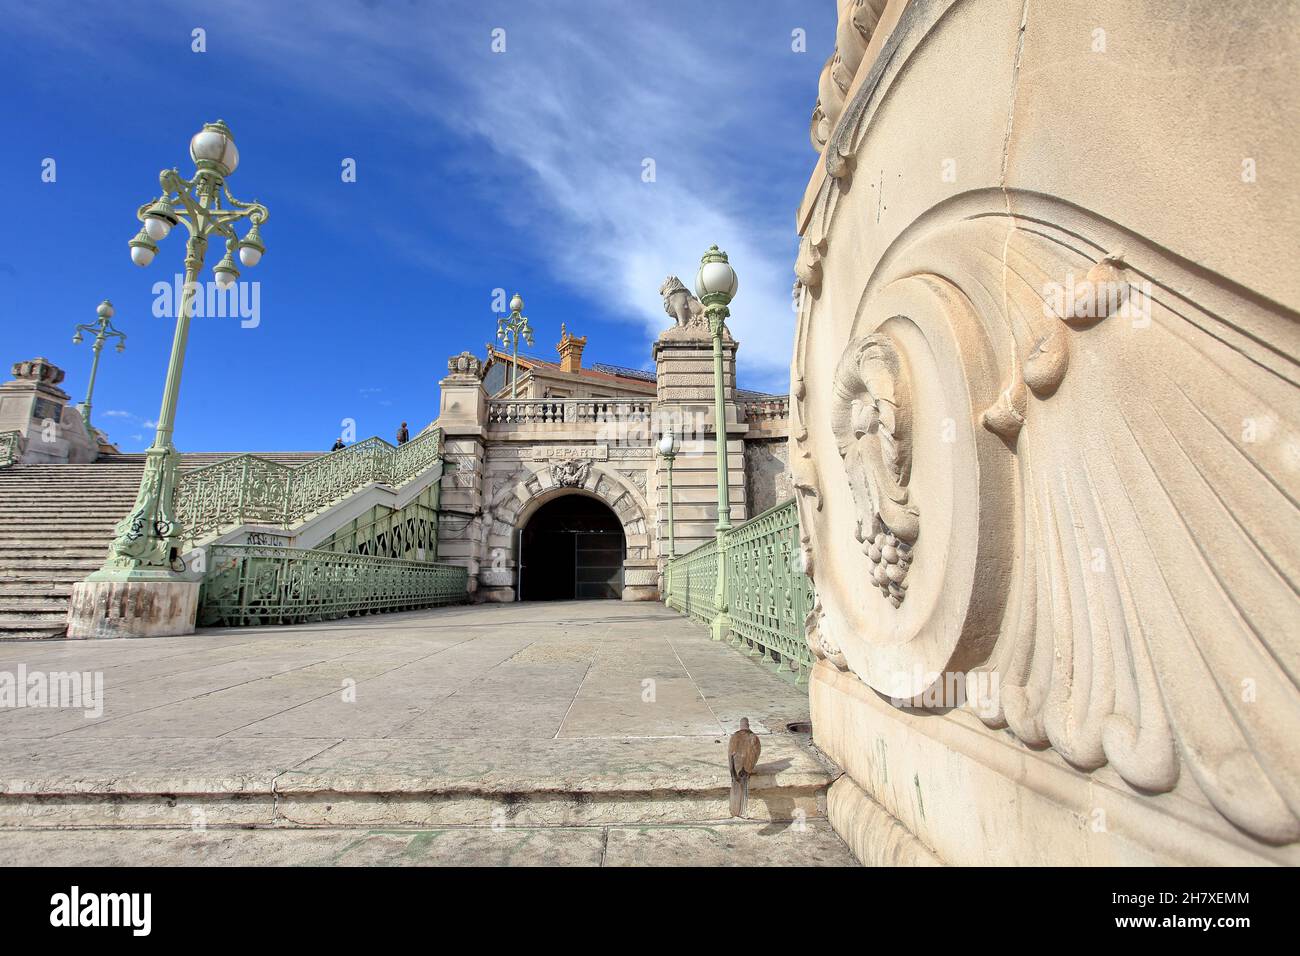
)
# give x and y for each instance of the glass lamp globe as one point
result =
(249, 254)
(667, 443)
(516, 303)
(142, 254)
(214, 147)
(716, 280)
(157, 228)
(77, 339)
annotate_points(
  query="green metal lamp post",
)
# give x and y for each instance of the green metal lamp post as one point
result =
(147, 543)
(102, 329)
(716, 285)
(668, 451)
(509, 329)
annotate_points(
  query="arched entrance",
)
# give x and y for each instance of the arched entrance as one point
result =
(572, 548)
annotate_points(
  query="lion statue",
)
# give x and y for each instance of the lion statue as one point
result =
(680, 304)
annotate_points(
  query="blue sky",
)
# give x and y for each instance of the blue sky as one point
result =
(476, 170)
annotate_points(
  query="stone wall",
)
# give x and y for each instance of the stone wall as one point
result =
(767, 474)
(1045, 420)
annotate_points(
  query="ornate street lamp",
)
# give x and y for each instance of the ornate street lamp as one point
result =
(509, 329)
(668, 451)
(147, 542)
(716, 285)
(102, 329)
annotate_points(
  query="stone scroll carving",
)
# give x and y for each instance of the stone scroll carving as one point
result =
(1106, 471)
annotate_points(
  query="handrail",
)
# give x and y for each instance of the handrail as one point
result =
(767, 594)
(248, 489)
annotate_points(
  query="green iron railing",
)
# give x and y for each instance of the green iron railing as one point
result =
(11, 448)
(249, 585)
(691, 581)
(768, 595)
(247, 489)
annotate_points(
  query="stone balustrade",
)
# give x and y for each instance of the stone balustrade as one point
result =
(567, 411)
(765, 409)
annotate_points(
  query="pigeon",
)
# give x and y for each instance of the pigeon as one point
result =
(742, 757)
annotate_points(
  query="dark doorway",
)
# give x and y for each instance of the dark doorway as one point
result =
(572, 548)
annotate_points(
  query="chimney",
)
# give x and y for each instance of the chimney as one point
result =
(570, 349)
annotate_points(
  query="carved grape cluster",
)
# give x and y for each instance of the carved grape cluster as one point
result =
(890, 558)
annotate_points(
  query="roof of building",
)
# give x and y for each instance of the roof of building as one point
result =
(629, 378)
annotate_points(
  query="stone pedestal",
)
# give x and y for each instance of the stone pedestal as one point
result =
(685, 402)
(132, 608)
(462, 416)
(641, 580)
(34, 405)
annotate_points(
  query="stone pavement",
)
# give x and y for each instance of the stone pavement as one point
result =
(583, 732)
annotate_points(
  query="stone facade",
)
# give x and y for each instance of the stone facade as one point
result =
(1045, 431)
(592, 432)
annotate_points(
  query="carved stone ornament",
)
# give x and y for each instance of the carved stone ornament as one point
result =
(570, 474)
(466, 363)
(685, 309)
(870, 418)
(1049, 436)
(40, 370)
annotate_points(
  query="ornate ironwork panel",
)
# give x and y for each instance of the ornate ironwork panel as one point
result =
(691, 581)
(248, 489)
(250, 585)
(768, 594)
(11, 448)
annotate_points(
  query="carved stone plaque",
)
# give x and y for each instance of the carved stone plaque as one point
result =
(570, 452)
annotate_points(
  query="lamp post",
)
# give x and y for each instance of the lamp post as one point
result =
(509, 329)
(668, 451)
(146, 546)
(716, 285)
(103, 330)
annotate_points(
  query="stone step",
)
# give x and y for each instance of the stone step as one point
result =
(13, 558)
(27, 604)
(56, 576)
(422, 782)
(37, 625)
(736, 843)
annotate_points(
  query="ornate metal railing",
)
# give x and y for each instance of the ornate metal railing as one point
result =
(247, 489)
(766, 593)
(765, 409)
(11, 448)
(550, 411)
(691, 582)
(249, 585)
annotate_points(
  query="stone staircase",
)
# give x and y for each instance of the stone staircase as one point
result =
(55, 525)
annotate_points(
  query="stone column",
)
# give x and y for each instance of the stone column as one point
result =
(462, 416)
(684, 370)
(34, 405)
